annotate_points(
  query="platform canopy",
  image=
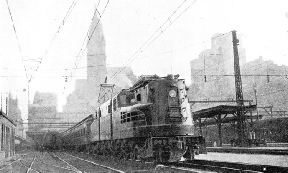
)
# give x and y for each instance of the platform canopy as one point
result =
(220, 110)
(218, 115)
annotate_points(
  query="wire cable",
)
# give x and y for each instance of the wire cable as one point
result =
(82, 50)
(156, 34)
(19, 47)
(55, 35)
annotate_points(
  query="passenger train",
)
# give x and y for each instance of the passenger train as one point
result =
(152, 119)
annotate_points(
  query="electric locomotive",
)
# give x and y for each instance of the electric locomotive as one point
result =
(152, 119)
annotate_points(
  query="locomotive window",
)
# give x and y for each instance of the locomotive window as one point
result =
(138, 97)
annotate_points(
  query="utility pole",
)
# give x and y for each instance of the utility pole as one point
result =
(239, 93)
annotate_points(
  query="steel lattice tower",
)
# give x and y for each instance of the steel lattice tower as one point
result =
(239, 93)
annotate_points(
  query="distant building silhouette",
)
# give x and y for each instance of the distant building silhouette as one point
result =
(212, 72)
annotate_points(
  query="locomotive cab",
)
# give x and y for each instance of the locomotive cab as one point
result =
(169, 121)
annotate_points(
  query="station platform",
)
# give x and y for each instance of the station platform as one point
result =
(250, 150)
(261, 159)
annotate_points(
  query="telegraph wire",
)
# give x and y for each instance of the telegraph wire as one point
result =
(161, 30)
(19, 47)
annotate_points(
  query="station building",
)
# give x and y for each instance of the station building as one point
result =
(7, 135)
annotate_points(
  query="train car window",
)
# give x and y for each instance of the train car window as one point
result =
(114, 104)
(138, 97)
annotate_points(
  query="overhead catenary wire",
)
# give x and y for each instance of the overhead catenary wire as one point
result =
(161, 53)
(19, 47)
(154, 36)
(55, 35)
(118, 62)
(82, 49)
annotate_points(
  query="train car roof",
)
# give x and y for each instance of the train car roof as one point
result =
(78, 124)
(6, 117)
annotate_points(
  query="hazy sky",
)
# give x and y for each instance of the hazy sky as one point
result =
(127, 25)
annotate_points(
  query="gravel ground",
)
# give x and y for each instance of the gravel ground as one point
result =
(126, 166)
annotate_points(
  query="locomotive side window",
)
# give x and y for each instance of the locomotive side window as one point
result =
(138, 97)
(133, 116)
(128, 117)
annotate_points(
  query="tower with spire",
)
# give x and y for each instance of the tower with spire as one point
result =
(96, 60)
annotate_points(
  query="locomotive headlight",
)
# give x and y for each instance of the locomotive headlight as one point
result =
(172, 93)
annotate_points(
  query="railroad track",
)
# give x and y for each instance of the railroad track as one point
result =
(227, 166)
(103, 166)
